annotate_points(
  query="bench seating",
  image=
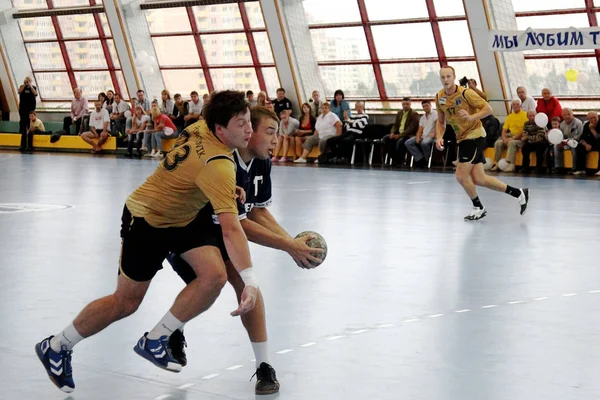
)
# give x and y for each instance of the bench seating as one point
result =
(591, 161)
(66, 142)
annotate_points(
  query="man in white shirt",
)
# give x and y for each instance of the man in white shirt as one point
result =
(194, 110)
(99, 122)
(527, 102)
(118, 115)
(420, 145)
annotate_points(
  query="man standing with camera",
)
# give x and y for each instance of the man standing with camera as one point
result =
(27, 95)
(464, 108)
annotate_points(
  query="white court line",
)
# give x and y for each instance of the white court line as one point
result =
(435, 315)
(541, 298)
(360, 331)
(284, 351)
(408, 321)
(162, 396)
(208, 377)
(570, 294)
(233, 368)
(6, 158)
(385, 326)
(515, 302)
(308, 344)
(185, 386)
(418, 182)
(593, 291)
(489, 306)
(334, 338)
(462, 311)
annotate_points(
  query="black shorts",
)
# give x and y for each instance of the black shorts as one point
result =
(145, 247)
(472, 151)
(183, 269)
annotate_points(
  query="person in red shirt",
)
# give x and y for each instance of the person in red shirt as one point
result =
(549, 105)
(163, 128)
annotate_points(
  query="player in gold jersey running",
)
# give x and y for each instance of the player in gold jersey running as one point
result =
(463, 109)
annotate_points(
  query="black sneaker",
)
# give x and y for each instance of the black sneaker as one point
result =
(524, 200)
(266, 380)
(177, 345)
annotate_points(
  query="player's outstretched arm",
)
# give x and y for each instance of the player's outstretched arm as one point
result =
(237, 248)
(263, 229)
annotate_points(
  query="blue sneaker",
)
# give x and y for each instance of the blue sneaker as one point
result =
(57, 365)
(157, 352)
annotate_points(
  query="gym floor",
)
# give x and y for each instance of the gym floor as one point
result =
(411, 303)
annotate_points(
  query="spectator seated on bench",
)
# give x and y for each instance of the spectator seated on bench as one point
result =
(36, 126)
(99, 125)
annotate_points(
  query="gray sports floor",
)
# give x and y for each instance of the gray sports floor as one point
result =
(411, 303)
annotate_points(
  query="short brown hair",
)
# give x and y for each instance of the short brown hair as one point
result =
(257, 114)
(555, 119)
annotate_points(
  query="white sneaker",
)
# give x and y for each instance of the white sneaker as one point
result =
(455, 163)
(597, 173)
(579, 173)
(476, 213)
(158, 154)
(494, 168)
(282, 159)
(524, 200)
(300, 161)
(153, 153)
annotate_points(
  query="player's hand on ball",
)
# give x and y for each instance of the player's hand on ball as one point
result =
(249, 296)
(240, 194)
(464, 114)
(302, 253)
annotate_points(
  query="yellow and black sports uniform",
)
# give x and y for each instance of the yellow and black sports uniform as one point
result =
(163, 214)
(470, 135)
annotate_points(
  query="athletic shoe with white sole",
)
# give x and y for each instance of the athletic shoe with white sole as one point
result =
(524, 200)
(157, 352)
(476, 214)
(57, 365)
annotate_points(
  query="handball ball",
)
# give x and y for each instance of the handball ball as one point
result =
(317, 243)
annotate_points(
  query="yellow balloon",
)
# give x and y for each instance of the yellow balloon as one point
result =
(571, 75)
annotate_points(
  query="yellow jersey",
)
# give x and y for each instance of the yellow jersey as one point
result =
(515, 122)
(462, 99)
(199, 169)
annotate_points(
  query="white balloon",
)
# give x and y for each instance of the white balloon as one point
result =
(142, 55)
(541, 120)
(583, 78)
(488, 164)
(555, 136)
(503, 164)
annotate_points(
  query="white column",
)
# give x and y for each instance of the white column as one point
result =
(488, 64)
(296, 63)
(114, 17)
(14, 62)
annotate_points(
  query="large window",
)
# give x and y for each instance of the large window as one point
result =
(69, 51)
(547, 68)
(385, 50)
(213, 47)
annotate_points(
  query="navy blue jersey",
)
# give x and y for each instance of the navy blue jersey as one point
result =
(255, 179)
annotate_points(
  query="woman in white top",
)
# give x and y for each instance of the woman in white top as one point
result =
(328, 125)
(167, 103)
(287, 130)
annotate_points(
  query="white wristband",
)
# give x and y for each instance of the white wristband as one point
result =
(249, 278)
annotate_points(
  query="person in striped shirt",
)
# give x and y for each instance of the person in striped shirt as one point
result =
(341, 146)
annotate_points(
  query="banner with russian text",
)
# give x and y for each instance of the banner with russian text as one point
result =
(547, 39)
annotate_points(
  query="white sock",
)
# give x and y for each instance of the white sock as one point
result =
(261, 352)
(182, 326)
(167, 325)
(68, 338)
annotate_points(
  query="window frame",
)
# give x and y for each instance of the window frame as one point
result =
(374, 60)
(61, 40)
(205, 66)
(591, 11)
